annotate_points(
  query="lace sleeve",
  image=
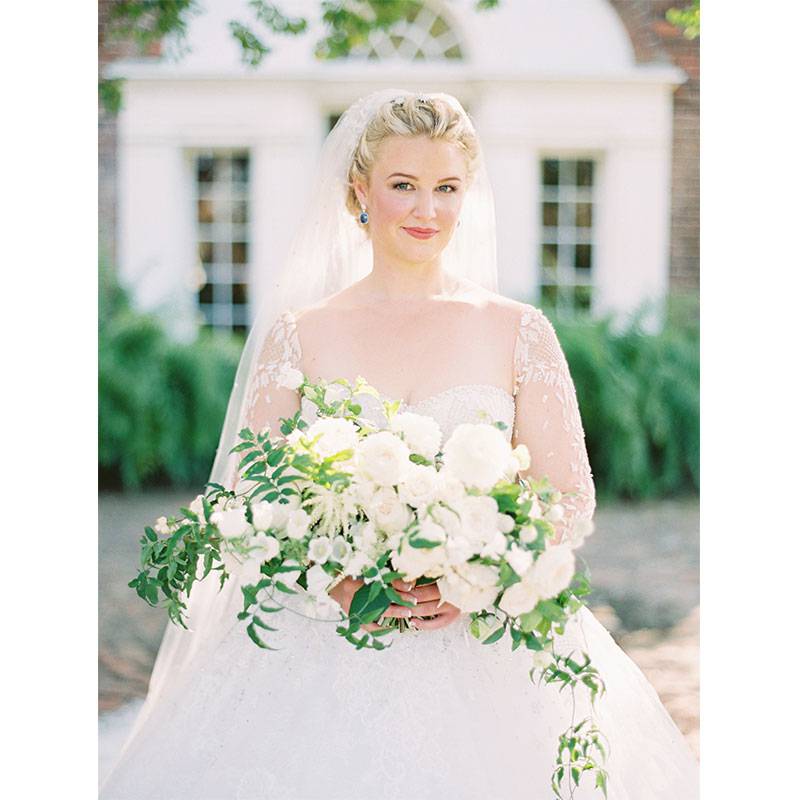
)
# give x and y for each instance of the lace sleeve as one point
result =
(267, 401)
(548, 421)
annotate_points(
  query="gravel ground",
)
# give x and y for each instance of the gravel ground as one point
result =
(645, 570)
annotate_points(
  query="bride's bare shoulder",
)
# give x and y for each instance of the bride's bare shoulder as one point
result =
(504, 310)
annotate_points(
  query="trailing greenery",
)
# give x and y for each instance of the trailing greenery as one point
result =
(161, 403)
(639, 397)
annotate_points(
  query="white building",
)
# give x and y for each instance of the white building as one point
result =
(214, 157)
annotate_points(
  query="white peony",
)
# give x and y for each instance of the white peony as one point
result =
(231, 522)
(290, 378)
(335, 435)
(553, 570)
(262, 515)
(451, 489)
(519, 559)
(383, 458)
(317, 580)
(247, 568)
(320, 549)
(297, 524)
(505, 523)
(447, 518)
(387, 511)
(420, 485)
(281, 511)
(470, 587)
(477, 455)
(422, 434)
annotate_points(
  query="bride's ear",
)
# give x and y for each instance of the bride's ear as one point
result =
(361, 193)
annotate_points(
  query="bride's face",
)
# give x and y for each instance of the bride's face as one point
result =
(414, 196)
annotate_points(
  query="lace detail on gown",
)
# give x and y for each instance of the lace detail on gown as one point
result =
(549, 420)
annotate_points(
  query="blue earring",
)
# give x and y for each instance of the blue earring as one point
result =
(364, 218)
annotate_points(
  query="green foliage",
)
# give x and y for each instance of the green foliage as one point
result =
(161, 403)
(347, 25)
(639, 398)
(686, 18)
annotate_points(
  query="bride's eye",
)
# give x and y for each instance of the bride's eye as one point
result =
(450, 187)
(401, 183)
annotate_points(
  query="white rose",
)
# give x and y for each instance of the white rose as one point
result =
(335, 435)
(505, 523)
(451, 489)
(422, 434)
(477, 455)
(478, 519)
(262, 515)
(320, 549)
(297, 523)
(414, 562)
(521, 597)
(247, 568)
(420, 486)
(459, 549)
(383, 458)
(196, 507)
(553, 570)
(231, 522)
(470, 586)
(519, 559)
(281, 511)
(495, 547)
(447, 518)
(358, 564)
(317, 580)
(387, 511)
(290, 378)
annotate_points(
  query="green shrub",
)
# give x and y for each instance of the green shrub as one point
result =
(639, 396)
(161, 403)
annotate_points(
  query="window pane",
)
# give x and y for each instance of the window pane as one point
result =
(549, 295)
(205, 251)
(550, 172)
(239, 214)
(205, 169)
(241, 169)
(549, 255)
(550, 215)
(585, 173)
(583, 215)
(583, 298)
(239, 251)
(206, 293)
(205, 211)
(583, 256)
(239, 294)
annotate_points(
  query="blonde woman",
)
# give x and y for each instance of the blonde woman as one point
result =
(393, 277)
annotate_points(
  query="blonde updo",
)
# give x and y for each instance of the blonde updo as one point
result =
(412, 115)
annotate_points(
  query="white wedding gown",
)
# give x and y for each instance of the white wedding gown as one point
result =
(437, 714)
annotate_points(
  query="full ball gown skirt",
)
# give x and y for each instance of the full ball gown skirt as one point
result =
(436, 715)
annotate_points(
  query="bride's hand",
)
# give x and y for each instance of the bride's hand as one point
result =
(343, 593)
(428, 600)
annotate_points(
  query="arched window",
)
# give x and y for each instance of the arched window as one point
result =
(424, 35)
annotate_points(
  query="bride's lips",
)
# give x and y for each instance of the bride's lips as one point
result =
(421, 233)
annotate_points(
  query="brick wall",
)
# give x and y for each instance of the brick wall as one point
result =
(654, 39)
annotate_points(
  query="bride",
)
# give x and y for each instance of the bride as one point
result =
(392, 277)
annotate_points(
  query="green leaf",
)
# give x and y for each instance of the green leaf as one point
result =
(365, 609)
(497, 635)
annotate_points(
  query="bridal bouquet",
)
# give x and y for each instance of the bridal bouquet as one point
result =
(366, 491)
